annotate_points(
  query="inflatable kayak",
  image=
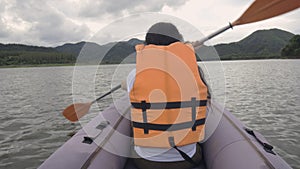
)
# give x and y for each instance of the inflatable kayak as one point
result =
(104, 143)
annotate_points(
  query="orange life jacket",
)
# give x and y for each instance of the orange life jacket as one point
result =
(168, 97)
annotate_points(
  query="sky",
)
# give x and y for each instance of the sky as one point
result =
(55, 22)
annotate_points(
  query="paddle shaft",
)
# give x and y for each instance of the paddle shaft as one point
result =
(200, 42)
(105, 94)
(259, 10)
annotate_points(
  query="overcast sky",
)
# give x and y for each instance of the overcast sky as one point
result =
(55, 22)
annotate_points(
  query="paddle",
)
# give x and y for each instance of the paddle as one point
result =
(77, 110)
(258, 10)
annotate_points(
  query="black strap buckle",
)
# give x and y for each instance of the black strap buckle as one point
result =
(101, 127)
(183, 154)
(267, 147)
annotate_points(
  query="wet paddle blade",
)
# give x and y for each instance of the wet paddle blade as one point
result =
(264, 9)
(76, 111)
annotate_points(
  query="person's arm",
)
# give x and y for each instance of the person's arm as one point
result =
(197, 58)
(124, 84)
(127, 83)
(204, 81)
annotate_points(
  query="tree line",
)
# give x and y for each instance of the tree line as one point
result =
(34, 58)
(15, 54)
(292, 49)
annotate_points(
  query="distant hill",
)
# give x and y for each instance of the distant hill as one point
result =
(21, 47)
(70, 48)
(261, 44)
(85, 52)
(292, 49)
(111, 53)
(18, 54)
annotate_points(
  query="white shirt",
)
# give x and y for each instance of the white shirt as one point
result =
(159, 154)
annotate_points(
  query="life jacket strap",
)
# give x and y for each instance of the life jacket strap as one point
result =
(168, 127)
(169, 105)
(183, 154)
(193, 106)
(193, 103)
(144, 110)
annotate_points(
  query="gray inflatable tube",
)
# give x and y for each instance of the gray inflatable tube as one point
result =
(230, 146)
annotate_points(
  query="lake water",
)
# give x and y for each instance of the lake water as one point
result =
(264, 94)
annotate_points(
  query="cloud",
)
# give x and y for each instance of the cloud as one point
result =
(288, 22)
(91, 8)
(53, 22)
(4, 31)
(60, 31)
(38, 23)
(209, 16)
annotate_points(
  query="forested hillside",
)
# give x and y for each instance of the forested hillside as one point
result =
(292, 49)
(261, 44)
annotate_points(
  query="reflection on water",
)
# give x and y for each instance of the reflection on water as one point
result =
(265, 95)
(30, 123)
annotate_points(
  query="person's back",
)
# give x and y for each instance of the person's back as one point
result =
(168, 100)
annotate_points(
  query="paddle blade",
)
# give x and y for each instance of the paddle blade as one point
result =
(76, 111)
(264, 9)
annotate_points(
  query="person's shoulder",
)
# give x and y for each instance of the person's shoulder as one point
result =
(183, 45)
(131, 74)
(189, 45)
(139, 47)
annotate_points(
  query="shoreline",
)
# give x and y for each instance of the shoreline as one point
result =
(73, 64)
(35, 65)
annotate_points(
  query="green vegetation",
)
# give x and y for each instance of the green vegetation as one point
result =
(36, 65)
(262, 44)
(292, 49)
(34, 58)
(16, 54)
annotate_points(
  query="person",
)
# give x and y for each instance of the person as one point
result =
(169, 96)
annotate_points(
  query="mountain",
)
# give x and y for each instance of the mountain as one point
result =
(292, 49)
(70, 48)
(111, 53)
(21, 47)
(260, 44)
(18, 54)
(69, 53)
(135, 41)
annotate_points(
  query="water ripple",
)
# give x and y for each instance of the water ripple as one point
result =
(265, 95)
